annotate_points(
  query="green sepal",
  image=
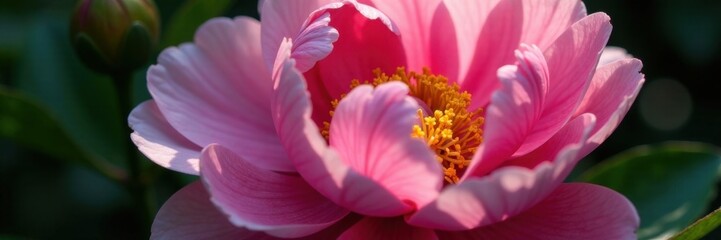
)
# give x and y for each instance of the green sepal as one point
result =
(135, 47)
(91, 55)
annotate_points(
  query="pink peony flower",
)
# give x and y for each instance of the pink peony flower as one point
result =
(473, 114)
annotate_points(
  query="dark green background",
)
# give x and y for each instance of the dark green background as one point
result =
(43, 197)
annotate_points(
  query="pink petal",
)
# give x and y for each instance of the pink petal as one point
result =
(160, 142)
(189, 214)
(612, 91)
(365, 34)
(486, 47)
(572, 59)
(573, 211)
(292, 109)
(499, 37)
(508, 191)
(335, 230)
(544, 21)
(279, 204)
(427, 32)
(468, 18)
(285, 19)
(314, 43)
(375, 159)
(549, 150)
(611, 54)
(386, 228)
(212, 91)
(444, 52)
(299, 134)
(369, 36)
(514, 110)
(301, 138)
(319, 96)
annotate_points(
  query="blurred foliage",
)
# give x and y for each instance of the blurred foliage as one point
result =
(83, 102)
(58, 119)
(189, 17)
(670, 184)
(701, 227)
(645, 29)
(23, 120)
(54, 112)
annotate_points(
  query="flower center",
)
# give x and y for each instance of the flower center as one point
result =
(445, 123)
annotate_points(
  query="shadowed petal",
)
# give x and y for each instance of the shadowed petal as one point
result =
(367, 40)
(212, 91)
(291, 109)
(427, 32)
(189, 214)
(160, 142)
(386, 229)
(279, 204)
(573, 211)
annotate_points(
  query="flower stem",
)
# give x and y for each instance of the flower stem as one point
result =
(135, 185)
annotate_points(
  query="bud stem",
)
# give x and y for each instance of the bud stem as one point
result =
(123, 83)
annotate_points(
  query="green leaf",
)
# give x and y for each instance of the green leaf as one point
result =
(701, 227)
(189, 17)
(83, 103)
(26, 122)
(670, 184)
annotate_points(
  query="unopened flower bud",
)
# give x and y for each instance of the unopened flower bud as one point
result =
(113, 36)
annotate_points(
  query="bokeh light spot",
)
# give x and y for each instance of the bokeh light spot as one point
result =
(665, 104)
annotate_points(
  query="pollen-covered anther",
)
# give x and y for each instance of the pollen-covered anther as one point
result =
(449, 128)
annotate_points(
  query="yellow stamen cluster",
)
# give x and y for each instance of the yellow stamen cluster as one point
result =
(450, 130)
